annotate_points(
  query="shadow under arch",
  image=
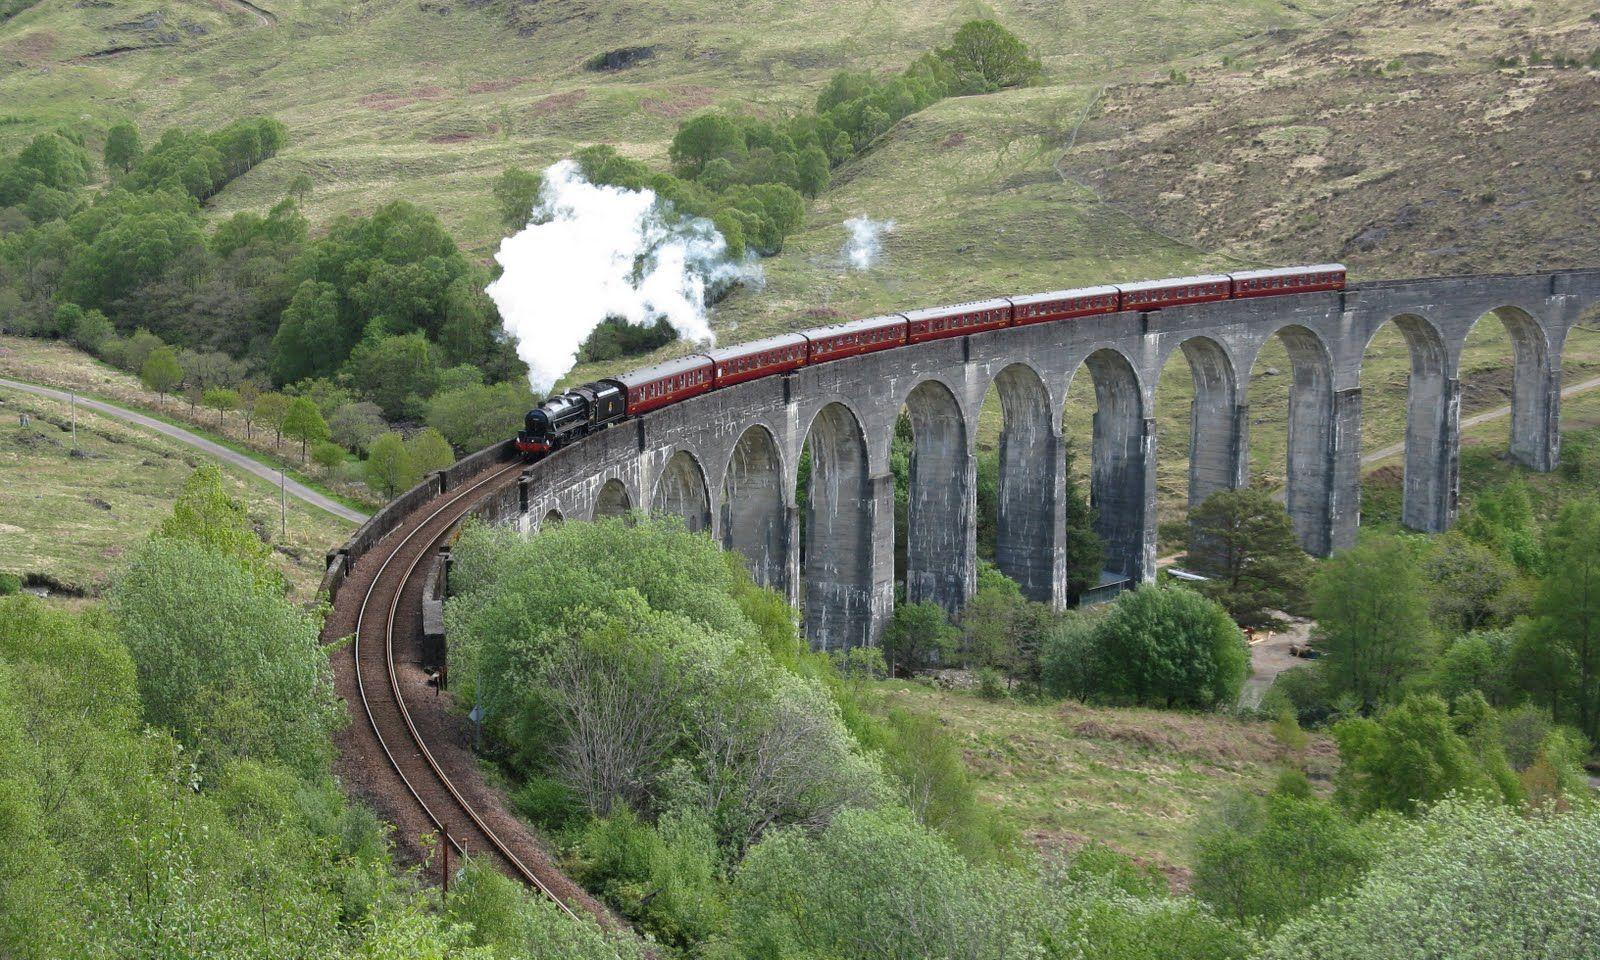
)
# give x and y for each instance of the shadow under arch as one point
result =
(551, 518)
(1120, 489)
(1535, 394)
(681, 491)
(940, 543)
(1309, 472)
(754, 518)
(1216, 428)
(1027, 489)
(612, 501)
(1432, 410)
(837, 565)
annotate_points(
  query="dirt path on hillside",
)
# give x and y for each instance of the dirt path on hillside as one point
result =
(1270, 656)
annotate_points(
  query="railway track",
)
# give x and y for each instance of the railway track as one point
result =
(387, 618)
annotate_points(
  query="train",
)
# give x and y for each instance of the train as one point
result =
(575, 413)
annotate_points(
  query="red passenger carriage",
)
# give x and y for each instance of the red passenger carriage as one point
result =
(1063, 305)
(1156, 294)
(1269, 283)
(856, 337)
(759, 358)
(666, 382)
(936, 323)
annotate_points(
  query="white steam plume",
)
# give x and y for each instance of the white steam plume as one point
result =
(593, 252)
(865, 246)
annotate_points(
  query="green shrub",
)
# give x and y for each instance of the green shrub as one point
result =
(10, 583)
(1469, 879)
(1156, 646)
(547, 802)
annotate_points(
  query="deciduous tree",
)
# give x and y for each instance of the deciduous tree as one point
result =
(1372, 620)
(303, 421)
(388, 465)
(161, 371)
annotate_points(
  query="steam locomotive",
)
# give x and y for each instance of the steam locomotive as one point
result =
(575, 413)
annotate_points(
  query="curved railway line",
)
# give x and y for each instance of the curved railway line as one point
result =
(396, 768)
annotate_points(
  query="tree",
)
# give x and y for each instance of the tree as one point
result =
(1469, 581)
(1469, 879)
(356, 424)
(1567, 612)
(312, 339)
(1409, 756)
(327, 456)
(1482, 661)
(303, 421)
(396, 373)
(429, 451)
(983, 56)
(916, 634)
(704, 138)
(1372, 620)
(221, 399)
(1267, 862)
(1170, 647)
(123, 147)
(161, 371)
(1244, 541)
(229, 666)
(271, 408)
(300, 187)
(205, 515)
(134, 251)
(388, 465)
(1071, 657)
(516, 193)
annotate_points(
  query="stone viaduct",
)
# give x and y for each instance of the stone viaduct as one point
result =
(727, 462)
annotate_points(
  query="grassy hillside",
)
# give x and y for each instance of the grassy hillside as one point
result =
(431, 100)
(1134, 779)
(70, 518)
(1407, 137)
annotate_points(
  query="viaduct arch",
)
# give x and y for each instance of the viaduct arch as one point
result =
(729, 462)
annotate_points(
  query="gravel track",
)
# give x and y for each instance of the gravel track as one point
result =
(415, 795)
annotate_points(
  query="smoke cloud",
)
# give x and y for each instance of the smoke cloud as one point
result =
(865, 246)
(594, 251)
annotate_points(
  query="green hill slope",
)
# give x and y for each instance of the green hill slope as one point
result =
(431, 100)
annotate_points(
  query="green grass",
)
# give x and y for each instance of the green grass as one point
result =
(1135, 779)
(54, 364)
(72, 519)
(391, 98)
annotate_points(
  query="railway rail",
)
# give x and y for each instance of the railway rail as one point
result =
(389, 614)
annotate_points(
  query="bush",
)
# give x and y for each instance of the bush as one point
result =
(10, 583)
(328, 456)
(224, 662)
(1168, 646)
(1266, 862)
(1468, 880)
(918, 635)
(1070, 658)
(645, 683)
(1414, 755)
